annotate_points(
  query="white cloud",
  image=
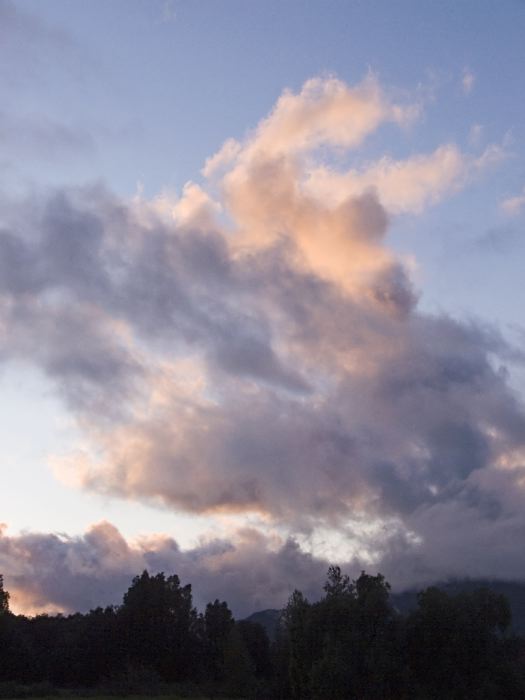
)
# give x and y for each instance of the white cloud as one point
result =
(475, 135)
(513, 205)
(405, 186)
(468, 80)
(168, 11)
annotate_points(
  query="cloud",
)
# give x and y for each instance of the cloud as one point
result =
(407, 186)
(468, 80)
(168, 11)
(475, 531)
(475, 135)
(224, 157)
(253, 347)
(512, 206)
(325, 111)
(60, 573)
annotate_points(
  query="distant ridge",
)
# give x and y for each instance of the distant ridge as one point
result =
(269, 619)
(406, 601)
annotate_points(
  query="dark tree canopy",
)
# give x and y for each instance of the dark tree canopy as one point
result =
(351, 644)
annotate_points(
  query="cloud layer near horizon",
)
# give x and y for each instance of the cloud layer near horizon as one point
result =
(52, 573)
(253, 347)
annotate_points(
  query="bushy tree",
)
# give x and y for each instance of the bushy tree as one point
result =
(351, 644)
(239, 669)
(157, 621)
(218, 623)
(345, 645)
(296, 625)
(257, 643)
(457, 646)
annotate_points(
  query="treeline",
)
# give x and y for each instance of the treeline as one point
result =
(350, 644)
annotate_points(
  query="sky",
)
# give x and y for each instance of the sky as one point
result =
(261, 303)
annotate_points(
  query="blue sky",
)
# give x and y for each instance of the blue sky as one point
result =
(113, 106)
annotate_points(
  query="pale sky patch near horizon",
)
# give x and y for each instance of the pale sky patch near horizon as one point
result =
(260, 278)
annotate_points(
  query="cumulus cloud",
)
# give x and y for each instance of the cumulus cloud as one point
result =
(261, 351)
(325, 111)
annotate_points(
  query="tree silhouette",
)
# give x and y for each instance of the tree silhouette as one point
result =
(218, 623)
(351, 644)
(156, 621)
(4, 597)
(457, 642)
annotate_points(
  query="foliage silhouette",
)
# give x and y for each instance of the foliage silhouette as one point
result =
(351, 644)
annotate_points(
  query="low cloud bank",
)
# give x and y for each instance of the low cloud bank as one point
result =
(47, 572)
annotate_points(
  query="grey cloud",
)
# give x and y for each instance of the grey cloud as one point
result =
(169, 288)
(393, 290)
(80, 573)
(19, 271)
(252, 356)
(431, 384)
(319, 403)
(368, 218)
(475, 532)
(69, 574)
(462, 535)
(398, 439)
(77, 348)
